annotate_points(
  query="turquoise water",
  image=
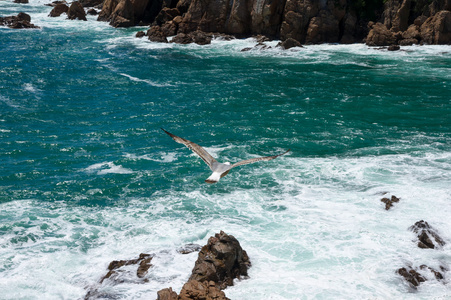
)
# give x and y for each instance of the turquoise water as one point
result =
(87, 176)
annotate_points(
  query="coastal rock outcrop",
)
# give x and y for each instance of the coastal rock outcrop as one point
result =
(218, 264)
(427, 235)
(415, 276)
(408, 22)
(22, 20)
(58, 10)
(76, 11)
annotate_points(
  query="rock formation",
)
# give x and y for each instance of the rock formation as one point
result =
(58, 10)
(407, 22)
(415, 276)
(22, 20)
(76, 11)
(427, 235)
(218, 264)
(393, 199)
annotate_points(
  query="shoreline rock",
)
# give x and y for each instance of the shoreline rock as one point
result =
(22, 20)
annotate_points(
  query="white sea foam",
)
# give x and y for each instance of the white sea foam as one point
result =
(107, 168)
(160, 157)
(150, 82)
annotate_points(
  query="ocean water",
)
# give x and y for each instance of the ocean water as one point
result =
(87, 176)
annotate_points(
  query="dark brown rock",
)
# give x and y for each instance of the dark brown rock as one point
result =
(166, 14)
(140, 34)
(189, 248)
(55, 3)
(198, 37)
(415, 276)
(21, 1)
(155, 34)
(289, 43)
(90, 3)
(92, 12)
(411, 276)
(58, 10)
(221, 261)
(389, 202)
(427, 236)
(123, 14)
(393, 48)
(22, 20)
(143, 262)
(76, 11)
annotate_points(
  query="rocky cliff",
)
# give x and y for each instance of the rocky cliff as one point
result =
(379, 22)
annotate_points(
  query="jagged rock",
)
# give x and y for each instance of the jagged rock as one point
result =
(198, 37)
(400, 22)
(266, 17)
(195, 290)
(21, 1)
(379, 35)
(156, 35)
(427, 236)
(289, 43)
(58, 10)
(166, 14)
(415, 277)
(411, 276)
(76, 11)
(143, 262)
(408, 42)
(123, 14)
(437, 29)
(393, 199)
(22, 20)
(221, 261)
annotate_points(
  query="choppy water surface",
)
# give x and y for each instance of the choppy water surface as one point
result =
(87, 176)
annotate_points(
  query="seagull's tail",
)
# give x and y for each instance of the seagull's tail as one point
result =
(213, 178)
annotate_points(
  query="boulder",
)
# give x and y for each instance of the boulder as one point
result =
(427, 235)
(58, 10)
(437, 29)
(411, 276)
(140, 34)
(92, 12)
(155, 34)
(379, 35)
(198, 37)
(167, 294)
(196, 290)
(76, 11)
(21, 1)
(289, 43)
(392, 48)
(22, 20)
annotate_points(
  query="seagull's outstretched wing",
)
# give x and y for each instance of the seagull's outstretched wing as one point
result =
(206, 157)
(253, 160)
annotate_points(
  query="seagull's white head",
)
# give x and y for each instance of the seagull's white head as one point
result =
(227, 163)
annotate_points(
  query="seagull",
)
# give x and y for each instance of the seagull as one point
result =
(219, 169)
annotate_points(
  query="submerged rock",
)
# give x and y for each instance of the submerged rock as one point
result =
(389, 202)
(289, 43)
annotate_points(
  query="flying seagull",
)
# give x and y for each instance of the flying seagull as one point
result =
(219, 169)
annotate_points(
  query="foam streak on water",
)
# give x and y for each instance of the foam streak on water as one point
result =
(87, 176)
